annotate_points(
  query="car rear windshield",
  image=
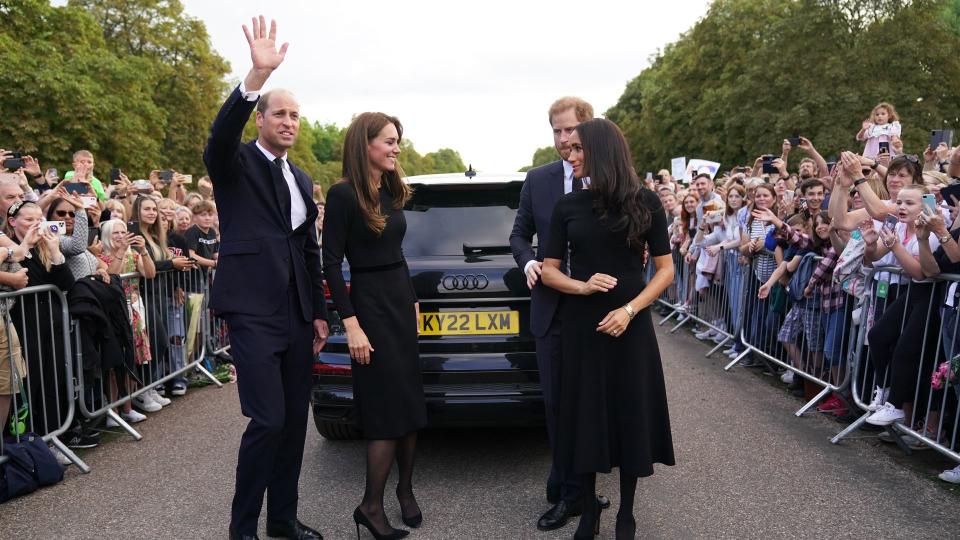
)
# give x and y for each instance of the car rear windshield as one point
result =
(441, 220)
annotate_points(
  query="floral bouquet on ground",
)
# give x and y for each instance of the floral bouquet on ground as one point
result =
(946, 373)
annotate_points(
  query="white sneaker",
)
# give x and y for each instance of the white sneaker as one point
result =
(158, 398)
(733, 354)
(706, 334)
(131, 417)
(787, 377)
(145, 403)
(951, 475)
(718, 337)
(886, 415)
(879, 398)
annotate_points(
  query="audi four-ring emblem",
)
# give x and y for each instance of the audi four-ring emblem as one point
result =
(465, 282)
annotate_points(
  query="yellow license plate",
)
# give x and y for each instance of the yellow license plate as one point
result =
(470, 323)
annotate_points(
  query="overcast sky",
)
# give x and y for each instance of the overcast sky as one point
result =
(477, 77)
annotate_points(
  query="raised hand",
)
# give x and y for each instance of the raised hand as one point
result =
(263, 46)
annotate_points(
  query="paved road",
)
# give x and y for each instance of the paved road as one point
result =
(746, 469)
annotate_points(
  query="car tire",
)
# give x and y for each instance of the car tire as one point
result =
(337, 431)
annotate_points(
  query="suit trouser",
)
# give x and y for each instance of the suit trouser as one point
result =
(273, 357)
(548, 363)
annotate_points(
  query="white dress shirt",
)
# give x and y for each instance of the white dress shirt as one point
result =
(298, 208)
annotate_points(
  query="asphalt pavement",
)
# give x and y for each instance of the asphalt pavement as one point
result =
(746, 468)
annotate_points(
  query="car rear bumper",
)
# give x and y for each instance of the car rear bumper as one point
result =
(455, 397)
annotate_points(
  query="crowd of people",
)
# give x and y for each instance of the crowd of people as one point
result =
(160, 233)
(782, 258)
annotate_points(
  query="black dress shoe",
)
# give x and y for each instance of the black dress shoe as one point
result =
(234, 535)
(553, 494)
(292, 529)
(558, 516)
(603, 502)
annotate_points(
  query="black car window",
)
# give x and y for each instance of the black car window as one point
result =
(441, 220)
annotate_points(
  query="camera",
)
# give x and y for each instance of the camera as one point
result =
(14, 162)
(165, 176)
(794, 141)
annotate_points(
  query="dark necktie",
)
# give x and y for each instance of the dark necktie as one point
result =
(577, 183)
(284, 190)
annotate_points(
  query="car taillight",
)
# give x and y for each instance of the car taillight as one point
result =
(332, 369)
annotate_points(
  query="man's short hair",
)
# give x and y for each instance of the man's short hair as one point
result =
(812, 183)
(81, 154)
(701, 175)
(264, 102)
(582, 109)
(204, 207)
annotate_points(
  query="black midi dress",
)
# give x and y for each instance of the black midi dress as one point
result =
(613, 401)
(388, 392)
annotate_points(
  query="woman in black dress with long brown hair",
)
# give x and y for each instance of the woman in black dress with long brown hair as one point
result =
(613, 407)
(364, 222)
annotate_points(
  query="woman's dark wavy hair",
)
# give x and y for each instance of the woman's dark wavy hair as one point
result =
(617, 188)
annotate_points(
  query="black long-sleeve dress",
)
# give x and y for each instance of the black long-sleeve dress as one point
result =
(613, 407)
(388, 392)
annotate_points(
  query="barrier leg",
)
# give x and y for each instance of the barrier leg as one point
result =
(718, 347)
(737, 360)
(123, 424)
(823, 393)
(209, 375)
(849, 429)
(84, 468)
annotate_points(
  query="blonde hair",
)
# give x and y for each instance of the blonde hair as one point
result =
(894, 117)
(106, 232)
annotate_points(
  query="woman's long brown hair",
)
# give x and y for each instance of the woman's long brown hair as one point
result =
(356, 168)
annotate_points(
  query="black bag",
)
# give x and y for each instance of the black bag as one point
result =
(30, 465)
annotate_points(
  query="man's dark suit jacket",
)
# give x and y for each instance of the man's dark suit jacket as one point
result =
(258, 249)
(542, 188)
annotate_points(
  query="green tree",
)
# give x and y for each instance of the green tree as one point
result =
(65, 89)
(753, 72)
(187, 74)
(445, 160)
(542, 156)
(328, 142)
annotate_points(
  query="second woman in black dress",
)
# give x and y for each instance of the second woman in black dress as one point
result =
(613, 402)
(364, 223)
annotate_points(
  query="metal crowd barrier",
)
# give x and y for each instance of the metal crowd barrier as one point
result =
(34, 336)
(797, 335)
(832, 348)
(172, 310)
(921, 362)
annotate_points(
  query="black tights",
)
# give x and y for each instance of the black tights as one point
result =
(626, 524)
(380, 456)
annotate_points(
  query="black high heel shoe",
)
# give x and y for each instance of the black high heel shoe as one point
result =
(596, 522)
(359, 518)
(413, 521)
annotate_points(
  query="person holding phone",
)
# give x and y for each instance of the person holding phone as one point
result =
(878, 130)
(896, 340)
(83, 164)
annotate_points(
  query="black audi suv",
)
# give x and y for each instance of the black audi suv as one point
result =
(476, 350)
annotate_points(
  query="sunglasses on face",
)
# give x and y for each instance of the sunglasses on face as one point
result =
(65, 213)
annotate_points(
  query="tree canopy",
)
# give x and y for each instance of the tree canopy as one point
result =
(753, 72)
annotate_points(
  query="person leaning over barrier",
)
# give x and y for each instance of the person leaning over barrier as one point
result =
(43, 344)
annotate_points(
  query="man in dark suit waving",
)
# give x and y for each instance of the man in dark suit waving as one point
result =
(542, 188)
(268, 288)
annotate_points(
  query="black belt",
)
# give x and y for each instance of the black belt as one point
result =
(378, 268)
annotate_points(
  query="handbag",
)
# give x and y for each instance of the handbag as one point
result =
(30, 465)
